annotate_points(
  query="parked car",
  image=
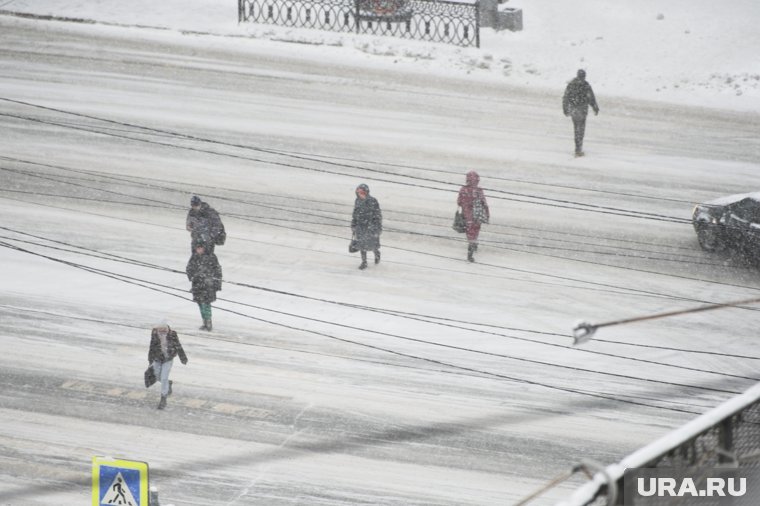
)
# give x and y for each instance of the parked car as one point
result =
(731, 222)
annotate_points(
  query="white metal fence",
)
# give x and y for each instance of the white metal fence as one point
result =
(727, 436)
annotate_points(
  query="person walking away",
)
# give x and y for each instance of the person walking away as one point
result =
(367, 224)
(204, 225)
(164, 346)
(575, 102)
(472, 200)
(205, 274)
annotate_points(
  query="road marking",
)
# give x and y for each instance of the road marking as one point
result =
(187, 402)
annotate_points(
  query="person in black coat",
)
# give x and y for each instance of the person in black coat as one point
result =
(575, 103)
(205, 274)
(204, 225)
(164, 346)
(367, 224)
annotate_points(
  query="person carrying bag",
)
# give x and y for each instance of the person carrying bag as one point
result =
(475, 211)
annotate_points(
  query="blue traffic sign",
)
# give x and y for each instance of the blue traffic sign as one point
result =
(119, 482)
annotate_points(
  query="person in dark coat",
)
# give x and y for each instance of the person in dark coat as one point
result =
(164, 346)
(204, 225)
(475, 210)
(205, 274)
(367, 224)
(575, 102)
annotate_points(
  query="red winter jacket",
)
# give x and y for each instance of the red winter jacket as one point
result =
(468, 196)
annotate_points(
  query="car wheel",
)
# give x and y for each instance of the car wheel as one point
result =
(709, 238)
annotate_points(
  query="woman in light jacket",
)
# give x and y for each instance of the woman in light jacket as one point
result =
(164, 346)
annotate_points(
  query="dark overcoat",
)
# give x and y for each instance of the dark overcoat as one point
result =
(204, 225)
(173, 346)
(205, 274)
(367, 223)
(577, 98)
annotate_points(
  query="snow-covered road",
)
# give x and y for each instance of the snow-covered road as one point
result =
(423, 380)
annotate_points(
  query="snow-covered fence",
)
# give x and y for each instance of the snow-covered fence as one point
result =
(431, 20)
(725, 437)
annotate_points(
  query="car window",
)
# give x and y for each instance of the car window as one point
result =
(747, 209)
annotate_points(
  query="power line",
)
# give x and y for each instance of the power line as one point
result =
(533, 199)
(207, 337)
(458, 348)
(505, 247)
(565, 278)
(597, 251)
(422, 317)
(135, 180)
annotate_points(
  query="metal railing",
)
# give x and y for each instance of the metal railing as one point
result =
(725, 437)
(429, 20)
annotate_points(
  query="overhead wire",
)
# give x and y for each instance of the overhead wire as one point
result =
(404, 314)
(416, 233)
(512, 247)
(139, 181)
(270, 162)
(530, 272)
(238, 342)
(147, 285)
(499, 178)
(540, 200)
(280, 208)
(170, 134)
(368, 308)
(612, 289)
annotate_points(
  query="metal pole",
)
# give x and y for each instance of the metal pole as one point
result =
(153, 494)
(356, 16)
(584, 330)
(726, 439)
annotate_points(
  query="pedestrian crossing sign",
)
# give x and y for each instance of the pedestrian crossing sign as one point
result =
(117, 482)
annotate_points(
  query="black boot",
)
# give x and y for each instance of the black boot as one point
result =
(162, 402)
(170, 388)
(470, 250)
(377, 256)
(363, 265)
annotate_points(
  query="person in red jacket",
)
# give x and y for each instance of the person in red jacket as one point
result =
(475, 210)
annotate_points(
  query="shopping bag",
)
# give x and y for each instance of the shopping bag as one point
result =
(459, 222)
(150, 376)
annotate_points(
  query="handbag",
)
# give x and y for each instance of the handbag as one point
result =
(150, 376)
(459, 225)
(479, 210)
(353, 246)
